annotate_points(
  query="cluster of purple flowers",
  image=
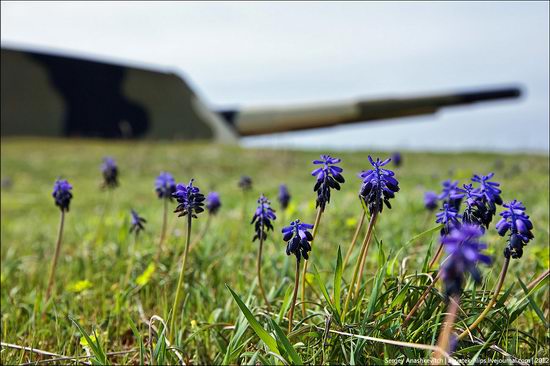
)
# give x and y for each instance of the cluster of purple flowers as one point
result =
(136, 222)
(515, 220)
(109, 170)
(465, 251)
(262, 218)
(284, 196)
(378, 187)
(62, 194)
(213, 203)
(298, 239)
(165, 186)
(329, 176)
(190, 200)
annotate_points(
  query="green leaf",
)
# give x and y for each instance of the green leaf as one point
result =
(289, 349)
(325, 292)
(378, 282)
(139, 338)
(269, 341)
(159, 352)
(94, 345)
(285, 305)
(338, 282)
(533, 304)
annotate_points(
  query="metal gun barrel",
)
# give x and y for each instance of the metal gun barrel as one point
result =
(263, 120)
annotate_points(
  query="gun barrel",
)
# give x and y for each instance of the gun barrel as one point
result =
(263, 120)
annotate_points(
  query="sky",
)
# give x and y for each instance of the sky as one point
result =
(254, 54)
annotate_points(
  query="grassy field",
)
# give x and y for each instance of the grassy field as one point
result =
(103, 284)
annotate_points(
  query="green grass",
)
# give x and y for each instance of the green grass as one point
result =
(90, 288)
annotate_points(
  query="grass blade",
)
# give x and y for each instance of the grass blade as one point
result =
(269, 341)
(338, 282)
(287, 346)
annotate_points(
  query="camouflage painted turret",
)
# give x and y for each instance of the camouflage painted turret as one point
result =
(52, 95)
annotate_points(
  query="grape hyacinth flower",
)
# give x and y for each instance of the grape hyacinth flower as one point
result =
(379, 186)
(298, 240)
(213, 202)
(62, 194)
(136, 222)
(110, 173)
(261, 219)
(491, 193)
(448, 217)
(62, 197)
(465, 251)
(397, 159)
(245, 183)
(284, 196)
(328, 177)
(476, 212)
(430, 200)
(451, 194)
(165, 186)
(515, 220)
(190, 200)
(190, 204)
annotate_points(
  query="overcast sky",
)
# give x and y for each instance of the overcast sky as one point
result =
(270, 53)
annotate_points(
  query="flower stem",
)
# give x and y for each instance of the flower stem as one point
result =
(421, 299)
(259, 268)
(294, 295)
(163, 229)
(491, 303)
(436, 256)
(304, 271)
(368, 237)
(444, 340)
(56, 255)
(364, 248)
(180, 280)
(537, 280)
(354, 240)
(130, 254)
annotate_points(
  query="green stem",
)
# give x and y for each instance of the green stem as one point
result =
(436, 256)
(491, 303)
(56, 255)
(444, 340)
(163, 229)
(259, 269)
(294, 295)
(364, 247)
(368, 237)
(130, 253)
(172, 329)
(304, 271)
(354, 240)
(421, 300)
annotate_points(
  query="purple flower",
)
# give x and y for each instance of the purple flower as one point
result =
(190, 200)
(450, 193)
(397, 159)
(430, 200)
(476, 211)
(165, 185)
(490, 193)
(284, 196)
(464, 249)
(213, 202)
(109, 170)
(245, 183)
(262, 218)
(516, 221)
(489, 189)
(136, 224)
(328, 177)
(62, 194)
(448, 216)
(298, 239)
(379, 186)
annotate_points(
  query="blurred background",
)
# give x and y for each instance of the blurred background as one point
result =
(253, 54)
